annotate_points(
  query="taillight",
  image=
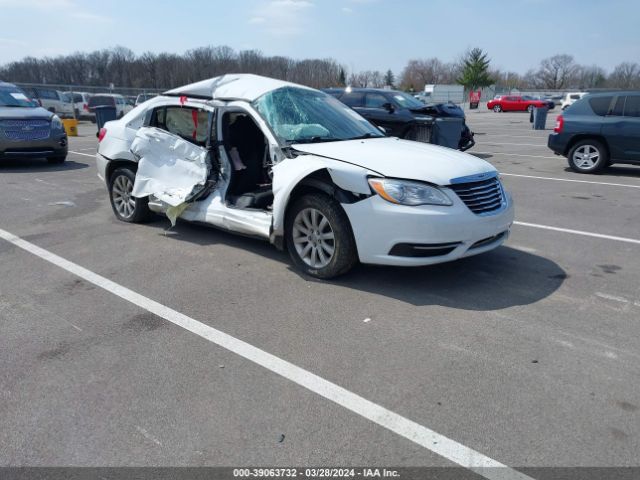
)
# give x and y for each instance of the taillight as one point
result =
(101, 134)
(559, 124)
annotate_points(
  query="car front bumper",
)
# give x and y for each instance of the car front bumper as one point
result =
(389, 234)
(55, 146)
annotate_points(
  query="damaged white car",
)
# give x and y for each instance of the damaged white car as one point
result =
(294, 166)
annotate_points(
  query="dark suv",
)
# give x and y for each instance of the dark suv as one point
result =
(401, 114)
(598, 130)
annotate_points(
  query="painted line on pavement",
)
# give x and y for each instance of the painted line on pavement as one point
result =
(579, 232)
(83, 154)
(421, 435)
(570, 180)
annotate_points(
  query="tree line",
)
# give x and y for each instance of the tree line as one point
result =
(123, 68)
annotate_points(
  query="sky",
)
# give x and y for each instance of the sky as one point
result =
(360, 34)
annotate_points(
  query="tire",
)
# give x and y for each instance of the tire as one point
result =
(319, 215)
(125, 207)
(57, 160)
(588, 156)
(497, 108)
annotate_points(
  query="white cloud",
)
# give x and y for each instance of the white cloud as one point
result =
(282, 18)
(347, 10)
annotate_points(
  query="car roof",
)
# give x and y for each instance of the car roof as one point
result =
(360, 89)
(232, 86)
(7, 84)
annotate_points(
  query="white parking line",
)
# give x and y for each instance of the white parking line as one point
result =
(84, 154)
(515, 155)
(423, 436)
(579, 232)
(570, 180)
(518, 144)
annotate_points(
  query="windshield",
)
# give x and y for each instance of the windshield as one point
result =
(298, 115)
(407, 101)
(12, 97)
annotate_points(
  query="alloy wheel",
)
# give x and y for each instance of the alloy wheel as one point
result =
(124, 202)
(586, 157)
(313, 238)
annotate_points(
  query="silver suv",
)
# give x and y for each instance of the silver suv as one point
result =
(28, 130)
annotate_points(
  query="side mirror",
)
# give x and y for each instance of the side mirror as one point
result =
(389, 107)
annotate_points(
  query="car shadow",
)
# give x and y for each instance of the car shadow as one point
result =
(616, 171)
(27, 165)
(503, 278)
(484, 156)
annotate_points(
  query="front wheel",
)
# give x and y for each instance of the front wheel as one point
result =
(497, 108)
(588, 156)
(319, 236)
(125, 206)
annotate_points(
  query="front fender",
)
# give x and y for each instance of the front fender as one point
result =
(290, 172)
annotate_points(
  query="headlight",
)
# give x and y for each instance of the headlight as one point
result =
(405, 192)
(56, 123)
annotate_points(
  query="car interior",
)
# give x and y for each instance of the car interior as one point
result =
(248, 152)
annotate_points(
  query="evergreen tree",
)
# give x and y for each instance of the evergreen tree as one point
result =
(342, 79)
(389, 79)
(475, 70)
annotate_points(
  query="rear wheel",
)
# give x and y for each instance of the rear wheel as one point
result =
(125, 206)
(319, 236)
(497, 108)
(588, 156)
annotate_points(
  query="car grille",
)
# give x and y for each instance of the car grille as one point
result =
(481, 197)
(420, 133)
(25, 130)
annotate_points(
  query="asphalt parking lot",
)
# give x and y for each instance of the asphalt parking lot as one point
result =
(528, 355)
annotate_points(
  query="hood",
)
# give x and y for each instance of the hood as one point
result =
(21, 113)
(397, 158)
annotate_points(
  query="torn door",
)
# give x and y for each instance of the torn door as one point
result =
(171, 169)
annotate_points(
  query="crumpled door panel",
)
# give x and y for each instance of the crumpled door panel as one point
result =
(171, 169)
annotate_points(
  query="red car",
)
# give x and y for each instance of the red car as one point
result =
(513, 103)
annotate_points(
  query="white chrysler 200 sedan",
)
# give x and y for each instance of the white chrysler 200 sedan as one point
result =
(293, 165)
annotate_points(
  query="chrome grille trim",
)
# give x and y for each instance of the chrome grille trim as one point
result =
(482, 197)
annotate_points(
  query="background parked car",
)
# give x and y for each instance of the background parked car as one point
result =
(66, 107)
(48, 98)
(143, 97)
(81, 105)
(598, 130)
(28, 130)
(517, 103)
(112, 100)
(570, 98)
(401, 114)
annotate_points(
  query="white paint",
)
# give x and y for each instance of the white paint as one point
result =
(579, 232)
(614, 298)
(515, 155)
(421, 435)
(570, 180)
(83, 154)
(148, 436)
(517, 144)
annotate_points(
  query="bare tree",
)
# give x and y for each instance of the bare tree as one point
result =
(556, 72)
(625, 75)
